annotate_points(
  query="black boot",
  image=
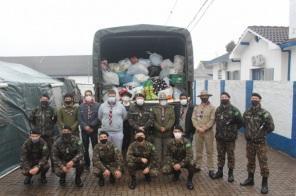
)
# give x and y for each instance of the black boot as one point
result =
(133, 183)
(28, 180)
(63, 180)
(264, 188)
(219, 173)
(249, 181)
(147, 178)
(176, 176)
(78, 181)
(112, 179)
(189, 183)
(230, 175)
(101, 181)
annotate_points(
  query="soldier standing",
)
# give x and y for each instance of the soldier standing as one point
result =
(34, 157)
(68, 154)
(107, 160)
(179, 155)
(258, 123)
(44, 117)
(141, 156)
(164, 119)
(140, 116)
(203, 119)
(228, 121)
(68, 114)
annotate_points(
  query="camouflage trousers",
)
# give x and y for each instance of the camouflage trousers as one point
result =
(79, 166)
(224, 148)
(134, 167)
(26, 168)
(260, 150)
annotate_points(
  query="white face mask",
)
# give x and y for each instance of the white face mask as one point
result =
(125, 99)
(178, 135)
(111, 100)
(140, 101)
(163, 102)
(183, 101)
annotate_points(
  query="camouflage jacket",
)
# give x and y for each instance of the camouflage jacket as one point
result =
(165, 119)
(136, 151)
(68, 115)
(179, 152)
(34, 154)
(140, 116)
(64, 152)
(258, 122)
(228, 120)
(45, 119)
(106, 156)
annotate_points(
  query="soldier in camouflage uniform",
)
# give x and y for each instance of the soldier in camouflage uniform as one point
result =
(141, 156)
(179, 155)
(68, 154)
(107, 160)
(140, 116)
(258, 123)
(44, 117)
(228, 120)
(34, 157)
(164, 120)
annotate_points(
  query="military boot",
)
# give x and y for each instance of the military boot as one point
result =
(133, 183)
(264, 187)
(219, 173)
(230, 175)
(249, 181)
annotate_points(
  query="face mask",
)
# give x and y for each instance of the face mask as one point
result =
(178, 135)
(140, 101)
(140, 139)
(34, 141)
(255, 103)
(44, 104)
(111, 100)
(103, 141)
(204, 100)
(163, 102)
(224, 101)
(183, 102)
(88, 99)
(68, 102)
(66, 136)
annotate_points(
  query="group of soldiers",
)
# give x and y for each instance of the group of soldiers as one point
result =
(133, 135)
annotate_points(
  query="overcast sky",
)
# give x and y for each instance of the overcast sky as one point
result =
(67, 27)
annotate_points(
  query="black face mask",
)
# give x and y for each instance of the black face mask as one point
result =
(224, 102)
(44, 104)
(255, 103)
(66, 137)
(140, 139)
(103, 141)
(204, 100)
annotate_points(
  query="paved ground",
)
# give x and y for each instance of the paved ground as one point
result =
(282, 182)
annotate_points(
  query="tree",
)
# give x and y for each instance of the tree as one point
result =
(230, 46)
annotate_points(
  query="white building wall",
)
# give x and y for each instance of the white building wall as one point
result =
(277, 98)
(272, 59)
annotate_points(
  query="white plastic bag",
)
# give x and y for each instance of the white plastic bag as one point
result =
(140, 78)
(155, 59)
(137, 69)
(179, 63)
(110, 78)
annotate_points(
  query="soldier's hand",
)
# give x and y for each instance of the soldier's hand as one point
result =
(146, 170)
(144, 160)
(177, 167)
(117, 174)
(34, 170)
(106, 173)
(70, 164)
(162, 129)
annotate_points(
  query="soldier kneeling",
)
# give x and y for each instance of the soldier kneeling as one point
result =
(34, 157)
(107, 160)
(179, 155)
(68, 154)
(141, 156)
